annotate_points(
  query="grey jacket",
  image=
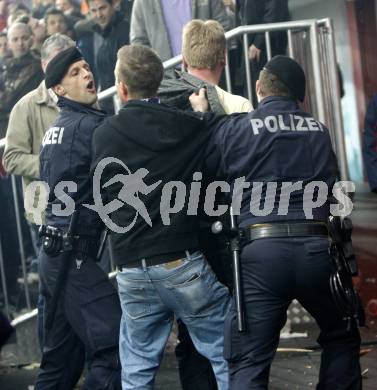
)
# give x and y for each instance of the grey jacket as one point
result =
(148, 26)
(176, 92)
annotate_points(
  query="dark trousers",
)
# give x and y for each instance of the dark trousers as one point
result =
(274, 272)
(195, 371)
(85, 328)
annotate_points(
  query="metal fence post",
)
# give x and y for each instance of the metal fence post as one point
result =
(20, 240)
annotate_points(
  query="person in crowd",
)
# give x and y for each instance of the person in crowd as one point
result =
(162, 272)
(56, 22)
(204, 58)
(70, 10)
(99, 46)
(29, 119)
(22, 72)
(40, 7)
(286, 252)
(16, 10)
(370, 144)
(39, 32)
(87, 317)
(159, 23)
(3, 14)
(4, 52)
(252, 12)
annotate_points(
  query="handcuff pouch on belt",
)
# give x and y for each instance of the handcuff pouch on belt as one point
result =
(344, 268)
(56, 242)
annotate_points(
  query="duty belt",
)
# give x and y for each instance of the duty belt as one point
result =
(283, 229)
(53, 242)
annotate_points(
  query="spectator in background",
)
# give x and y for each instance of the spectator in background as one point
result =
(22, 72)
(29, 120)
(252, 12)
(39, 31)
(70, 10)
(56, 22)
(16, 11)
(370, 144)
(159, 23)
(4, 52)
(3, 14)
(100, 46)
(40, 8)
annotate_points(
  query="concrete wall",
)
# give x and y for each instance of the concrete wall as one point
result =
(335, 9)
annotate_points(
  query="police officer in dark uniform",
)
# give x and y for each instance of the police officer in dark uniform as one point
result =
(85, 306)
(281, 150)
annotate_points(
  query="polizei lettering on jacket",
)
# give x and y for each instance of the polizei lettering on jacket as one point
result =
(290, 122)
(54, 135)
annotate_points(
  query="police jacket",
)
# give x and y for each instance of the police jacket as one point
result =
(65, 157)
(370, 143)
(274, 147)
(165, 146)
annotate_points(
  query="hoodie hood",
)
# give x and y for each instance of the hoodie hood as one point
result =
(158, 135)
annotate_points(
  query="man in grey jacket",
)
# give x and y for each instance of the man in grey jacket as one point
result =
(159, 23)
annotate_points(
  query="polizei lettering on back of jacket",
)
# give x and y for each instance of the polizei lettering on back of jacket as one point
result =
(287, 122)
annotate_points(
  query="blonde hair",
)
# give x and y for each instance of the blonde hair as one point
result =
(203, 44)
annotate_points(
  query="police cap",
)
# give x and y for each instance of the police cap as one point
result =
(290, 73)
(58, 66)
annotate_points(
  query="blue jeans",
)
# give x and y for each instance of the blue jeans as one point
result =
(150, 296)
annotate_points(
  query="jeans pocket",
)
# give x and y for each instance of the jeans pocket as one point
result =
(134, 301)
(197, 290)
(102, 314)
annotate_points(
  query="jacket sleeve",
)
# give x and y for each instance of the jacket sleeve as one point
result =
(18, 158)
(218, 12)
(270, 15)
(370, 143)
(138, 29)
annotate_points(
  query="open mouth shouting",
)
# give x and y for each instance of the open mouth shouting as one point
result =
(91, 87)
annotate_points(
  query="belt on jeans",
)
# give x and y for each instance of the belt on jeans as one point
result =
(284, 229)
(169, 260)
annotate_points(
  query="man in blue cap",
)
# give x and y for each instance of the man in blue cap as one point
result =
(280, 152)
(85, 324)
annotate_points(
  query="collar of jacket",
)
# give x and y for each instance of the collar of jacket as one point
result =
(115, 20)
(44, 97)
(68, 104)
(213, 98)
(270, 99)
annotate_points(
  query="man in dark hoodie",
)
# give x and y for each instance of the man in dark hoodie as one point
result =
(152, 153)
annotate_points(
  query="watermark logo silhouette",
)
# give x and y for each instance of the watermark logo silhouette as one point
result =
(132, 185)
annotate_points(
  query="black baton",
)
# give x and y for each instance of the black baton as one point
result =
(63, 270)
(235, 247)
(233, 235)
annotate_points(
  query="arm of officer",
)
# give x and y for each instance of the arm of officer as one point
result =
(138, 31)
(19, 158)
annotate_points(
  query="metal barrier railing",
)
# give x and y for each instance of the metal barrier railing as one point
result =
(311, 43)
